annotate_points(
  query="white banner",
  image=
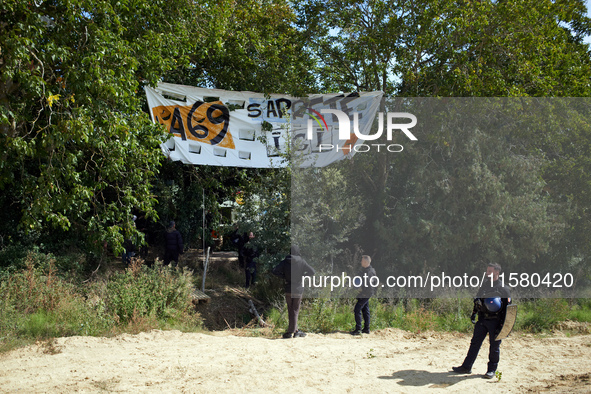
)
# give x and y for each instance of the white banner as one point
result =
(247, 129)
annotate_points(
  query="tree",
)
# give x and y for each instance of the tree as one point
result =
(356, 43)
(241, 45)
(248, 45)
(325, 210)
(489, 48)
(468, 193)
(77, 151)
(451, 48)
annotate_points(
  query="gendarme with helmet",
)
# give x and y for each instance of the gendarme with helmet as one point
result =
(490, 305)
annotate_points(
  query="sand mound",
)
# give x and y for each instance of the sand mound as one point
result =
(388, 360)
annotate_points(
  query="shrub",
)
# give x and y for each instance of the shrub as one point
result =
(141, 292)
(37, 304)
(34, 288)
(543, 314)
(580, 310)
(14, 258)
(419, 320)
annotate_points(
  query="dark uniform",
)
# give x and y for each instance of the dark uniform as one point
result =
(250, 253)
(488, 323)
(173, 242)
(129, 251)
(239, 241)
(362, 306)
(292, 268)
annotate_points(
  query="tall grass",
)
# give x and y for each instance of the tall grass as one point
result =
(324, 315)
(139, 291)
(42, 298)
(38, 304)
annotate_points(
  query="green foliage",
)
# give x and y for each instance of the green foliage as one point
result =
(16, 257)
(78, 155)
(40, 325)
(324, 211)
(35, 288)
(266, 212)
(427, 48)
(480, 197)
(417, 315)
(268, 287)
(141, 291)
(61, 322)
(459, 195)
(327, 315)
(184, 192)
(77, 151)
(542, 314)
(356, 44)
(470, 190)
(39, 303)
(496, 49)
(248, 45)
(499, 375)
(580, 314)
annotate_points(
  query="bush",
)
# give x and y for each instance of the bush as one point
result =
(15, 258)
(417, 315)
(419, 320)
(149, 292)
(580, 310)
(542, 314)
(39, 304)
(34, 288)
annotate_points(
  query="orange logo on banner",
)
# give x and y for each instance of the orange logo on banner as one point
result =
(203, 122)
(349, 144)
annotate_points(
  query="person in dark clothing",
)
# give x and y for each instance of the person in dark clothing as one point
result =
(292, 268)
(142, 226)
(239, 241)
(173, 244)
(490, 305)
(129, 251)
(129, 247)
(250, 253)
(362, 306)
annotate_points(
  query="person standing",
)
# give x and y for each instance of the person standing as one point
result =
(173, 244)
(250, 253)
(239, 241)
(129, 246)
(490, 305)
(292, 268)
(362, 306)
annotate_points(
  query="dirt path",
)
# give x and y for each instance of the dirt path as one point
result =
(387, 361)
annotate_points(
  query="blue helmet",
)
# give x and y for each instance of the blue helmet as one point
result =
(357, 281)
(493, 304)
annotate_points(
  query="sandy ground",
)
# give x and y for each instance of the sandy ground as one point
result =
(387, 361)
